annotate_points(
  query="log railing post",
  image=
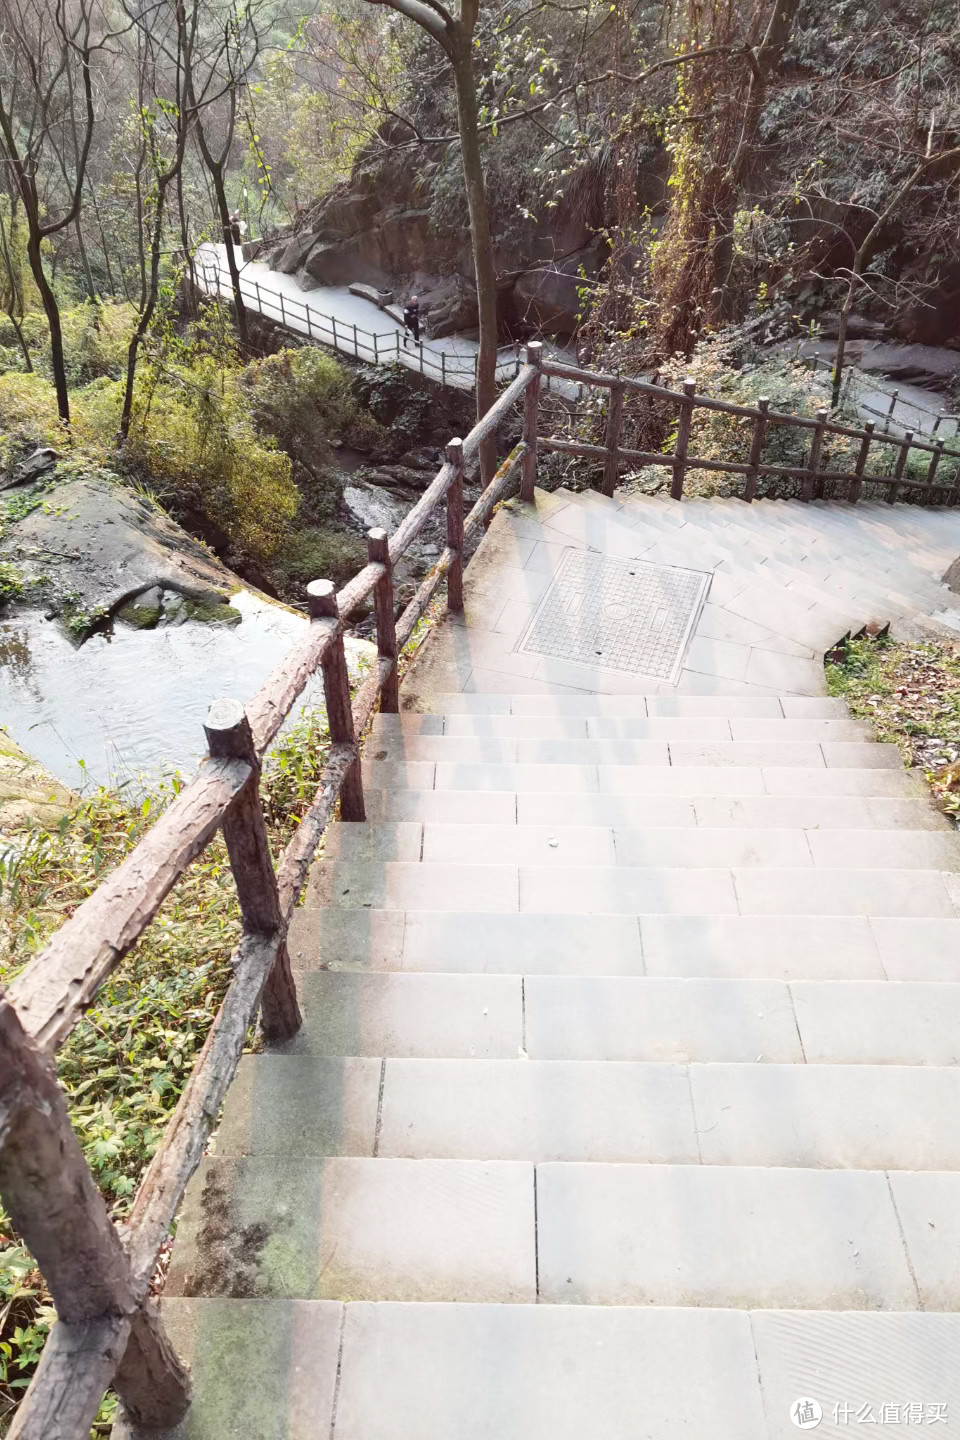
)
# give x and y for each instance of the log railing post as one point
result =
(856, 485)
(813, 460)
(151, 1380)
(54, 1204)
(611, 440)
(531, 418)
(378, 553)
(756, 448)
(322, 602)
(683, 440)
(454, 455)
(229, 737)
(893, 490)
(932, 469)
(48, 1189)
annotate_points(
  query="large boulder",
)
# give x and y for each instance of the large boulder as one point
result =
(550, 297)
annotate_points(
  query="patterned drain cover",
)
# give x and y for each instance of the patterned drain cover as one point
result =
(617, 614)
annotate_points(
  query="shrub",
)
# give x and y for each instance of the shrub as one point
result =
(317, 553)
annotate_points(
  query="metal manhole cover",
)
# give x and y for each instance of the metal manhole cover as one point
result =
(617, 614)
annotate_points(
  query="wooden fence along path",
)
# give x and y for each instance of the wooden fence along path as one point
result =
(99, 1274)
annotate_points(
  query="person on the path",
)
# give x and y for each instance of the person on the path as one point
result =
(411, 319)
(237, 228)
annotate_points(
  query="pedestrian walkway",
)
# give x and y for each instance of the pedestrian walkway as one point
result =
(333, 316)
(627, 1101)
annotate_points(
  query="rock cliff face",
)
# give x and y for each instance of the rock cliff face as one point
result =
(378, 229)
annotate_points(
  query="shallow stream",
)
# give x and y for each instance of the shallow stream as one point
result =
(128, 705)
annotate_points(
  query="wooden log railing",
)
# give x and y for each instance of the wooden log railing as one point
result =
(811, 478)
(108, 1328)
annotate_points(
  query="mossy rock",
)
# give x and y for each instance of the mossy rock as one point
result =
(142, 617)
(212, 612)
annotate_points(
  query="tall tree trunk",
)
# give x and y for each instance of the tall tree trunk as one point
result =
(223, 210)
(462, 58)
(52, 311)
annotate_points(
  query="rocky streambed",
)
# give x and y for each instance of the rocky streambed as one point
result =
(119, 630)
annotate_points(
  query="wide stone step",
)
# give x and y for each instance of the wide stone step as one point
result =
(798, 947)
(394, 1371)
(837, 754)
(758, 812)
(744, 1237)
(572, 1017)
(728, 706)
(632, 890)
(699, 846)
(655, 727)
(471, 1230)
(691, 780)
(866, 1117)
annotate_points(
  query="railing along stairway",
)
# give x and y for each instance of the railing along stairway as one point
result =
(108, 1330)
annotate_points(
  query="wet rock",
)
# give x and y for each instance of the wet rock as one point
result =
(372, 508)
(41, 462)
(97, 545)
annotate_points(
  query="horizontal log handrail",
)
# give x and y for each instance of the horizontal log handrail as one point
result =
(109, 1329)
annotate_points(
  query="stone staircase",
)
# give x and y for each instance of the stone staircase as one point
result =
(627, 1101)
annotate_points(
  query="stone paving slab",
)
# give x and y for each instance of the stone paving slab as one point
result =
(566, 778)
(897, 1023)
(445, 807)
(358, 1229)
(720, 1235)
(686, 780)
(753, 753)
(516, 844)
(763, 947)
(843, 892)
(843, 781)
(626, 890)
(822, 812)
(408, 885)
(704, 847)
(373, 840)
(346, 939)
(536, 1110)
(929, 1210)
(584, 808)
(346, 1013)
(301, 1105)
(523, 944)
(614, 1018)
(919, 949)
(854, 1364)
(541, 1372)
(880, 849)
(261, 1368)
(860, 1117)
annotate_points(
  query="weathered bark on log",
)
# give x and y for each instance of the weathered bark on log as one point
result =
(378, 551)
(531, 421)
(48, 1189)
(322, 599)
(77, 1365)
(245, 831)
(455, 527)
(151, 1380)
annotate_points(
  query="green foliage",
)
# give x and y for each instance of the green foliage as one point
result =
(910, 692)
(126, 1064)
(11, 583)
(317, 553)
(305, 400)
